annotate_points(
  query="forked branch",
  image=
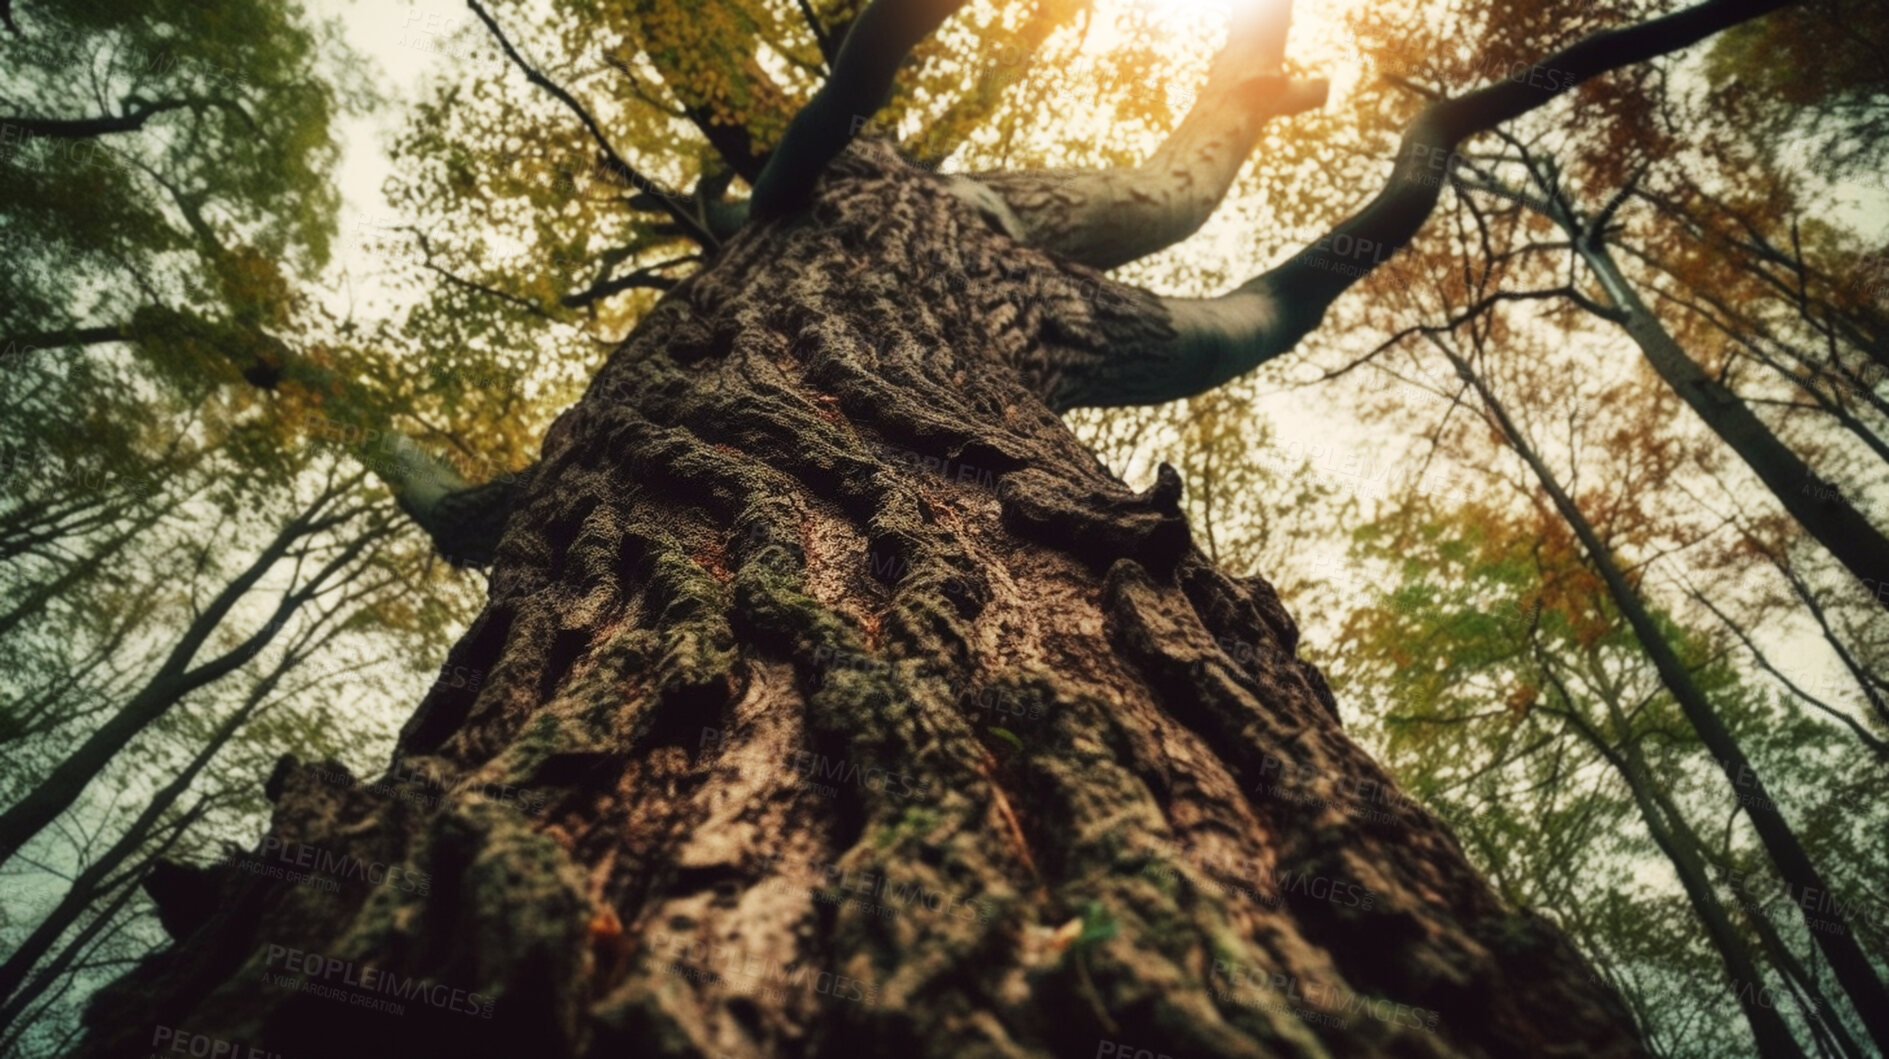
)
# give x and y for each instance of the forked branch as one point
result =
(870, 57)
(1104, 218)
(1204, 343)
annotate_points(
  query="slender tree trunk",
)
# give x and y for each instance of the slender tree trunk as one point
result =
(1875, 745)
(1865, 679)
(1818, 1013)
(1677, 841)
(868, 714)
(31, 526)
(90, 882)
(1807, 886)
(62, 963)
(174, 679)
(59, 703)
(122, 889)
(1771, 1033)
(39, 595)
(1823, 511)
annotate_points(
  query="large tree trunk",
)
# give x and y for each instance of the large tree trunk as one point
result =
(864, 713)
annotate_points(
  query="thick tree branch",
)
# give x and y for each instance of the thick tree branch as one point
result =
(21, 345)
(1108, 217)
(1205, 343)
(649, 277)
(130, 121)
(671, 201)
(862, 80)
(464, 520)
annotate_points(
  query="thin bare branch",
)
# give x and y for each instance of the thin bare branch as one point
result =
(649, 277)
(671, 201)
(827, 49)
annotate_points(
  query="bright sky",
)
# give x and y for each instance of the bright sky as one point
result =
(411, 40)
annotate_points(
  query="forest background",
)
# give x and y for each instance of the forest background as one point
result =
(363, 223)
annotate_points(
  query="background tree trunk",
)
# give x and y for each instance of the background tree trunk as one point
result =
(831, 699)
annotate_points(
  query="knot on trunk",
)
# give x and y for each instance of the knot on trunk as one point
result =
(1099, 527)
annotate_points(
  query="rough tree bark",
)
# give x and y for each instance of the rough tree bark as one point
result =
(808, 541)
(831, 699)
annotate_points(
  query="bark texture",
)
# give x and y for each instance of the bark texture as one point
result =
(831, 700)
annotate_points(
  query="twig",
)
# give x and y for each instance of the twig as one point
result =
(671, 201)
